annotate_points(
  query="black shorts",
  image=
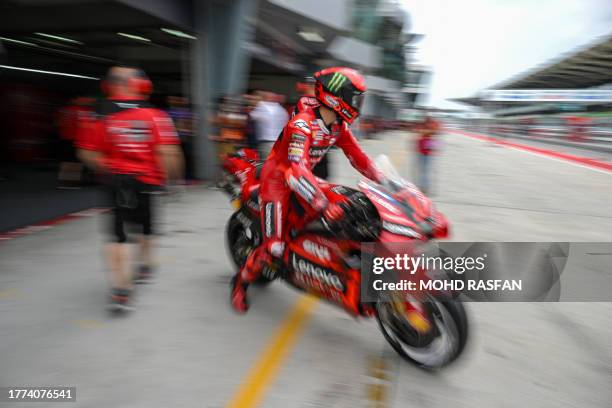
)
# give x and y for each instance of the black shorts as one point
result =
(132, 207)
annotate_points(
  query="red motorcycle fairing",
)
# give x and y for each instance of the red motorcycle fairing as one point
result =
(318, 264)
(406, 214)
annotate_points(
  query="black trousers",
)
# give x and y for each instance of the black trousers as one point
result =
(132, 202)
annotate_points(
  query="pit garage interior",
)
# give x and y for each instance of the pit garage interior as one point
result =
(50, 53)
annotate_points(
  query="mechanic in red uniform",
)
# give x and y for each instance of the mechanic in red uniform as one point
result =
(288, 170)
(137, 148)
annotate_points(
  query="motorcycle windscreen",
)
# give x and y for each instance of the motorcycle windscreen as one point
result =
(391, 177)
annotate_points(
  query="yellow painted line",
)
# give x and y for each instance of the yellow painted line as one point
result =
(251, 391)
(377, 389)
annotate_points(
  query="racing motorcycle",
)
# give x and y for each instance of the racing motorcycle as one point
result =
(430, 331)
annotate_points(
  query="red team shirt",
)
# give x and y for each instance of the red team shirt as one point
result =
(426, 144)
(127, 133)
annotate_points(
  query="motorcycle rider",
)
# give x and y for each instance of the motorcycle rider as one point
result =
(305, 139)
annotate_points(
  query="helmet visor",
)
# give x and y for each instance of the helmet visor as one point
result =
(357, 101)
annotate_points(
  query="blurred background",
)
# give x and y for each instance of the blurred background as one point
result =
(451, 84)
(198, 51)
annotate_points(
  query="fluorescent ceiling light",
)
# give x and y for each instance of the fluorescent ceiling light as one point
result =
(40, 71)
(134, 37)
(55, 43)
(18, 42)
(178, 33)
(311, 36)
(57, 37)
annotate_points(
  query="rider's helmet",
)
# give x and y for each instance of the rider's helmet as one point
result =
(340, 89)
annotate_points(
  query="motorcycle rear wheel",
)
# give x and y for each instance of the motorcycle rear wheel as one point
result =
(451, 333)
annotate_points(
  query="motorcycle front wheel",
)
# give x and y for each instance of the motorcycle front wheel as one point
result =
(441, 346)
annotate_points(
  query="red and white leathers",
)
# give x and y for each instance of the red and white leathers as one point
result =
(288, 170)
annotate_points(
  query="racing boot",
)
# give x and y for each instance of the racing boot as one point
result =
(239, 294)
(252, 269)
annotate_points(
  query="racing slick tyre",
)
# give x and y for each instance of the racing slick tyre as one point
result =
(435, 349)
(243, 235)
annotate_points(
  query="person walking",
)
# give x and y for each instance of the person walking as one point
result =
(426, 147)
(270, 118)
(250, 102)
(136, 148)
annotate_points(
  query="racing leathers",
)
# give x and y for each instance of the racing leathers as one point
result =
(288, 170)
(305, 102)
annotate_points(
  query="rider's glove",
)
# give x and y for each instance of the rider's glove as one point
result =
(333, 213)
